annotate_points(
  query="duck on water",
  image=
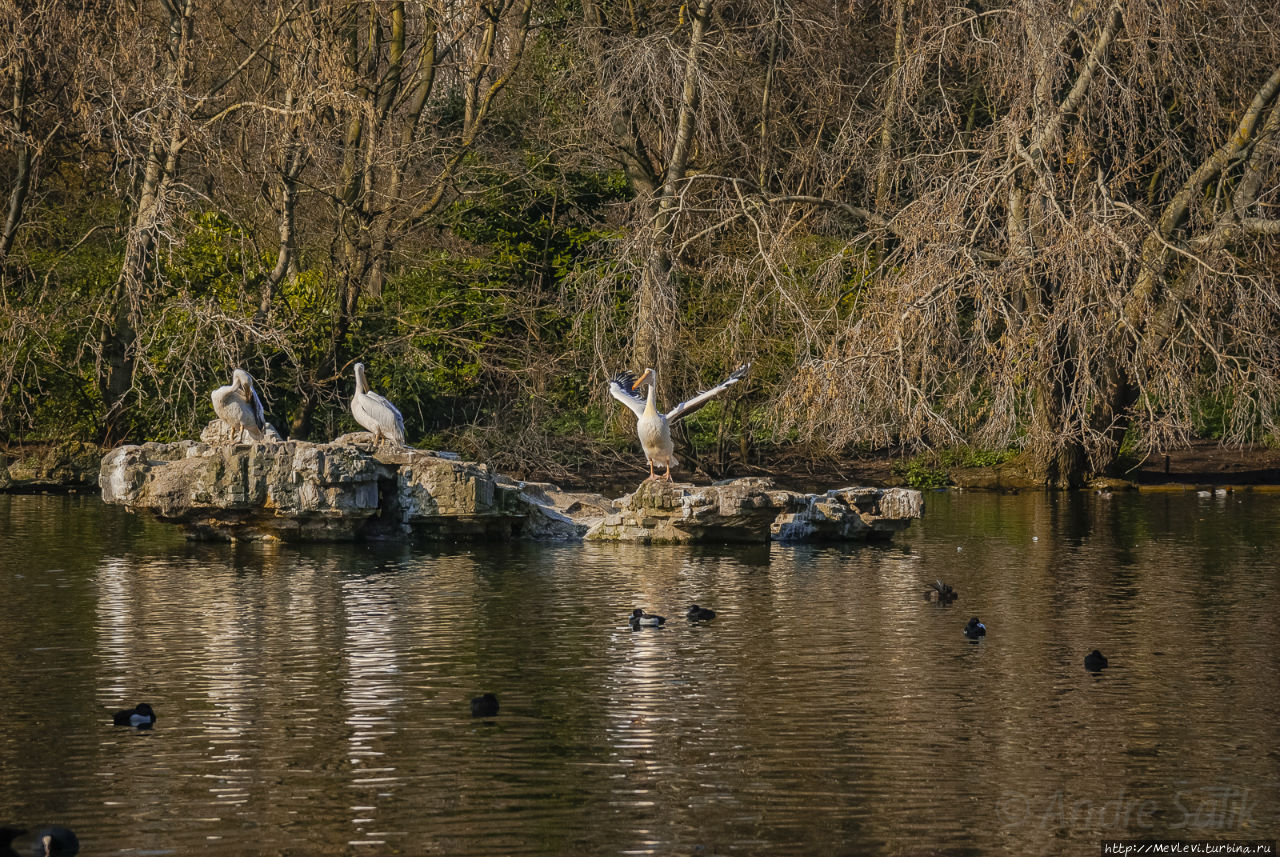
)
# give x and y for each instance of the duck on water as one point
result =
(641, 619)
(141, 715)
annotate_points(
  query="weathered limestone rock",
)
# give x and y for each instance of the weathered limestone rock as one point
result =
(352, 489)
(217, 432)
(286, 491)
(446, 498)
(555, 515)
(755, 510)
(850, 513)
(305, 491)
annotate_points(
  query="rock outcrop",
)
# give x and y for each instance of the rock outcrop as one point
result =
(352, 489)
(755, 510)
(298, 491)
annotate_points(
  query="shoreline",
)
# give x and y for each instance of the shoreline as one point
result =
(72, 468)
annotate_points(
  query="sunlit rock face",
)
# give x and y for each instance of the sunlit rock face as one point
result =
(849, 513)
(555, 515)
(288, 491)
(347, 489)
(352, 489)
(755, 510)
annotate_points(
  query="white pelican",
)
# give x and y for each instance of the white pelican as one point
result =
(239, 407)
(654, 428)
(375, 413)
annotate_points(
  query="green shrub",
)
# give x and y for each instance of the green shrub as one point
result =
(932, 469)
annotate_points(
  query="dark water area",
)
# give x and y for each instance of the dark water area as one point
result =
(314, 700)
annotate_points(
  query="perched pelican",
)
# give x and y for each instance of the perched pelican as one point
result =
(375, 413)
(239, 407)
(654, 428)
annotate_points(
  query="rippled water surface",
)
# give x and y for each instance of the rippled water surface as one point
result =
(314, 700)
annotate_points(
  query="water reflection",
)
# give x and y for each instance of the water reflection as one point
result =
(315, 700)
(371, 694)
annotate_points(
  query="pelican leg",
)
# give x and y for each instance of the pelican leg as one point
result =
(667, 475)
(652, 475)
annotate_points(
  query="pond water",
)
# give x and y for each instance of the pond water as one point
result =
(314, 700)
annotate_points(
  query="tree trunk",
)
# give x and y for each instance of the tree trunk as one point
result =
(22, 171)
(119, 331)
(885, 167)
(1058, 458)
(657, 304)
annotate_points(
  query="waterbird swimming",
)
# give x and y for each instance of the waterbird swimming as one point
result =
(140, 715)
(697, 613)
(485, 705)
(975, 629)
(1095, 661)
(52, 841)
(57, 841)
(650, 620)
(941, 592)
(654, 428)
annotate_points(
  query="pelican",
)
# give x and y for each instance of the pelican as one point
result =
(375, 413)
(654, 428)
(239, 407)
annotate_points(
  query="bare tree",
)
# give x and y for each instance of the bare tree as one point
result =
(386, 144)
(330, 125)
(180, 83)
(1034, 218)
(37, 81)
(1011, 224)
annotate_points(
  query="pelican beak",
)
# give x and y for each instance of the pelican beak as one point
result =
(640, 381)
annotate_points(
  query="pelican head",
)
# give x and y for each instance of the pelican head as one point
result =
(362, 386)
(647, 376)
(242, 380)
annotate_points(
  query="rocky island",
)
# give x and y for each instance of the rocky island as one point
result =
(352, 488)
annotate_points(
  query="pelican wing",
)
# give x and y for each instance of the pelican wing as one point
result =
(255, 406)
(384, 402)
(386, 414)
(688, 406)
(622, 388)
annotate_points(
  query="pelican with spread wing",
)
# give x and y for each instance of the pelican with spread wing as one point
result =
(654, 428)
